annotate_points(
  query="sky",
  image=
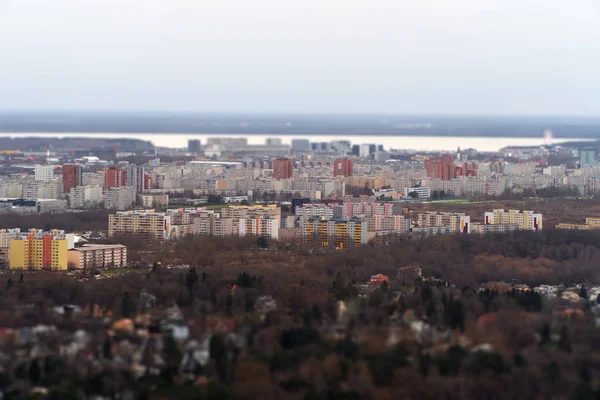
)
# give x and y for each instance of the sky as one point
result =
(350, 56)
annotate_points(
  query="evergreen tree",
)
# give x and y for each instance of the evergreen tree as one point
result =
(191, 278)
(228, 304)
(127, 306)
(545, 334)
(583, 292)
(384, 287)
(21, 278)
(35, 373)
(316, 313)
(564, 343)
(218, 353)
(262, 242)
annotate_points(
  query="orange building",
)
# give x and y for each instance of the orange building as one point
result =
(283, 168)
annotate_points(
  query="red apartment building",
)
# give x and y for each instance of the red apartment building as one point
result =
(72, 176)
(343, 167)
(444, 168)
(283, 168)
(114, 177)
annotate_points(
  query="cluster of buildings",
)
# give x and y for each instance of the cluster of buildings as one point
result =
(355, 221)
(55, 250)
(175, 223)
(230, 167)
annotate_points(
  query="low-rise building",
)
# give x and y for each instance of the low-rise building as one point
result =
(97, 256)
(591, 223)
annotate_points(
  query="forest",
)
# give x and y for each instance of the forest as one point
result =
(438, 336)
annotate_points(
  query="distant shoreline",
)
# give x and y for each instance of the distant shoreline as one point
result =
(299, 125)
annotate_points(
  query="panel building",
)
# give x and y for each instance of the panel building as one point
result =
(283, 168)
(114, 177)
(72, 176)
(456, 222)
(39, 252)
(338, 233)
(97, 256)
(44, 173)
(259, 226)
(343, 167)
(526, 220)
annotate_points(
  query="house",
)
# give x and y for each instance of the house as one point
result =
(378, 279)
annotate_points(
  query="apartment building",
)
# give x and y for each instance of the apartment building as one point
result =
(494, 228)
(431, 231)
(240, 211)
(338, 233)
(527, 220)
(154, 200)
(360, 209)
(397, 223)
(38, 252)
(150, 225)
(44, 173)
(324, 211)
(72, 176)
(457, 222)
(97, 256)
(591, 223)
(343, 167)
(283, 168)
(259, 226)
(86, 197)
(421, 192)
(119, 198)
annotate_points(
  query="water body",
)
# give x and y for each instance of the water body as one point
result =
(373, 125)
(426, 143)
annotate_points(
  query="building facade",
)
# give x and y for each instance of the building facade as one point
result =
(35, 252)
(283, 168)
(97, 256)
(72, 176)
(343, 167)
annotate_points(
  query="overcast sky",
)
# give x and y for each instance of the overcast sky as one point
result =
(394, 56)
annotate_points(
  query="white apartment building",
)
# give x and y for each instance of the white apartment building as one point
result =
(496, 228)
(120, 198)
(11, 190)
(259, 226)
(457, 222)
(44, 173)
(394, 223)
(323, 211)
(526, 220)
(423, 192)
(86, 197)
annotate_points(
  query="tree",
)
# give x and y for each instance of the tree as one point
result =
(9, 283)
(262, 242)
(454, 314)
(413, 195)
(21, 278)
(583, 292)
(218, 353)
(127, 306)
(564, 342)
(191, 278)
(384, 286)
